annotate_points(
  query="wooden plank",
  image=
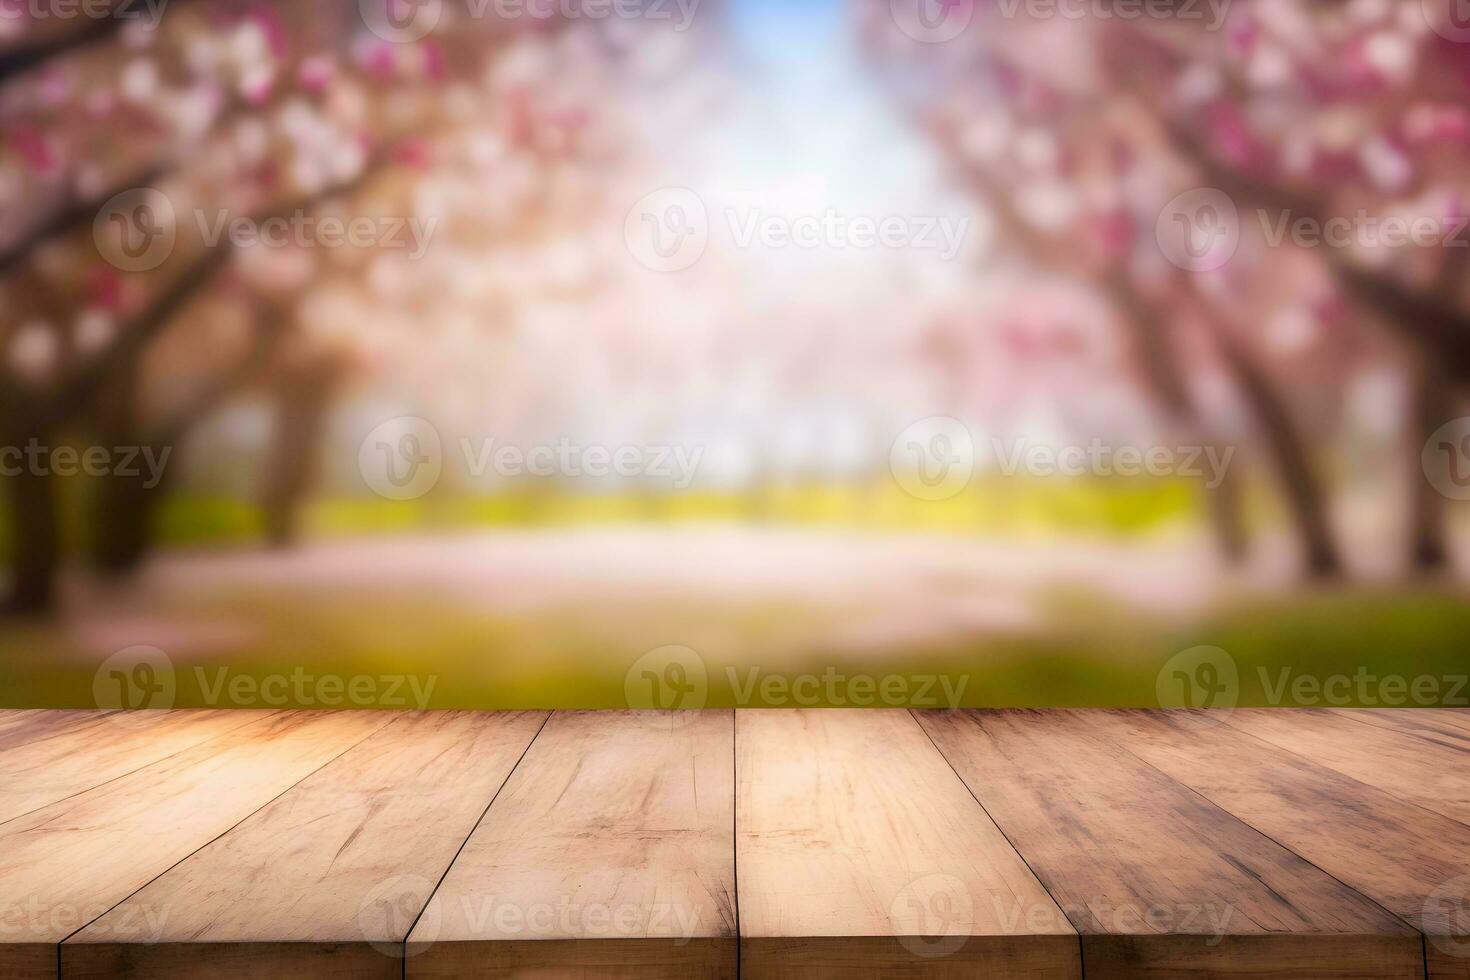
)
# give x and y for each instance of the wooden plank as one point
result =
(1412, 861)
(1449, 727)
(1159, 881)
(861, 854)
(326, 879)
(67, 864)
(1429, 770)
(103, 747)
(20, 726)
(609, 853)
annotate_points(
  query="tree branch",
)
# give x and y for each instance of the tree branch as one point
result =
(270, 326)
(73, 393)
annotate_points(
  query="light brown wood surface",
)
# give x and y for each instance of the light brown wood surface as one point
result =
(19, 726)
(328, 877)
(1429, 769)
(66, 864)
(1159, 881)
(609, 852)
(1305, 844)
(860, 853)
(82, 756)
(1412, 861)
(1449, 728)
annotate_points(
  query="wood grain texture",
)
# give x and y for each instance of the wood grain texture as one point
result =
(1449, 728)
(1410, 860)
(68, 863)
(327, 878)
(1159, 881)
(102, 747)
(860, 853)
(617, 827)
(1428, 769)
(19, 726)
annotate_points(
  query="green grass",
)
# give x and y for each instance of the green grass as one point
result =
(1093, 652)
(992, 506)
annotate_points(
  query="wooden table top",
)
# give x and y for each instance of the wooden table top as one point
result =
(1309, 843)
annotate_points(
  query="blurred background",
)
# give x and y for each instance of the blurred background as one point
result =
(595, 352)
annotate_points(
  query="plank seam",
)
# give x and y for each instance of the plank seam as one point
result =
(97, 715)
(262, 806)
(1081, 964)
(145, 765)
(1356, 715)
(735, 828)
(462, 844)
(1246, 823)
(1308, 760)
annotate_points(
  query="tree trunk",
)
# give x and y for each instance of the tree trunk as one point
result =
(303, 399)
(1431, 409)
(123, 522)
(121, 508)
(1163, 380)
(1224, 504)
(36, 544)
(1305, 500)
